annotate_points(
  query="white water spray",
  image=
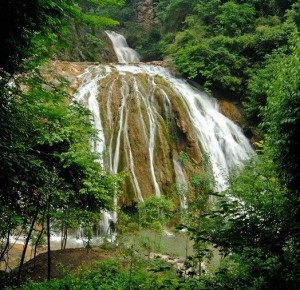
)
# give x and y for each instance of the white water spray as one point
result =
(222, 140)
(181, 184)
(87, 95)
(124, 53)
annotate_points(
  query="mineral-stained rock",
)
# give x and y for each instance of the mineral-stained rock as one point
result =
(147, 119)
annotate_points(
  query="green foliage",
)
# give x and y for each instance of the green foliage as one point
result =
(229, 18)
(47, 167)
(144, 40)
(282, 116)
(246, 207)
(173, 13)
(112, 274)
(184, 158)
(45, 153)
(155, 212)
(216, 60)
(255, 223)
(35, 30)
(257, 88)
(221, 44)
(250, 227)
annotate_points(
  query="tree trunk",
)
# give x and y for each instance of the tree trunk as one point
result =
(64, 237)
(26, 246)
(39, 237)
(48, 248)
(3, 251)
(36, 244)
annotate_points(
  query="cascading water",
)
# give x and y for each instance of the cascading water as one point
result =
(145, 117)
(124, 53)
(181, 183)
(87, 95)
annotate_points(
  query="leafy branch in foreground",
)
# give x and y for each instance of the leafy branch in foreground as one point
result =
(51, 169)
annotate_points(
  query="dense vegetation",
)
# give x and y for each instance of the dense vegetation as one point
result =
(47, 170)
(249, 50)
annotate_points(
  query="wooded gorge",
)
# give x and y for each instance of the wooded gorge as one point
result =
(246, 53)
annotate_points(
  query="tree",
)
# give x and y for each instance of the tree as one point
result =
(47, 166)
(173, 13)
(233, 19)
(281, 123)
(222, 44)
(155, 213)
(254, 224)
(249, 226)
(51, 168)
(282, 117)
(34, 27)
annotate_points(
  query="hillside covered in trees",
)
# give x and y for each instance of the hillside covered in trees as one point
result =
(247, 51)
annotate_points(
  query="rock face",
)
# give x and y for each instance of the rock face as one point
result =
(146, 118)
(145, 12)
(145, 126)
(233, 111)
(69, 71)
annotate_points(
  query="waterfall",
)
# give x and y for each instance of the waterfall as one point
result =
(181, 184)
(87, 95)
(124, 53)
(145, 117)
(221, 139)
